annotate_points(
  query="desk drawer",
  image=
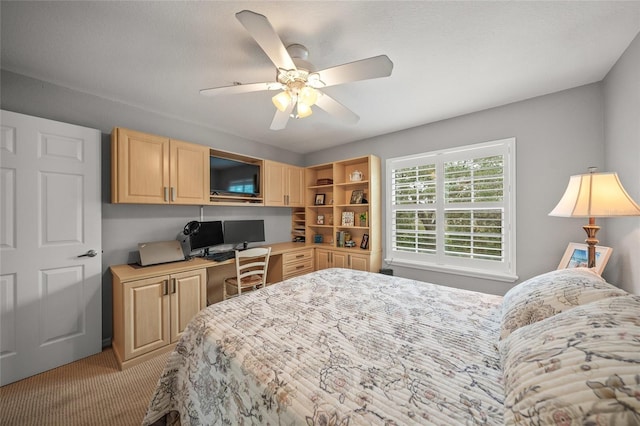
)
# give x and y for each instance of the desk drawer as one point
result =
(297, 268)
(297, 256)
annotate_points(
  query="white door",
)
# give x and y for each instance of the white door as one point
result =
(50, 214)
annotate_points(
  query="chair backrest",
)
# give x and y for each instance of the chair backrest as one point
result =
(253, 263)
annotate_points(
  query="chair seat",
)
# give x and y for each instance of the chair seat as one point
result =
(248, 282)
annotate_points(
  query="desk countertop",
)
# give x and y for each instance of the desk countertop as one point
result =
(128, 272)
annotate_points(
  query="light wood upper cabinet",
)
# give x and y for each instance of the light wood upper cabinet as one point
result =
(284, 184)
(188, 172)
(150, 169)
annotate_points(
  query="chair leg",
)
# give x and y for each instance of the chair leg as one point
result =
(224, 290)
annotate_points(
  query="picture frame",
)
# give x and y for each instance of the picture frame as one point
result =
(319, 200)
(348, 219)
(356, 196)
(320, 220)
(364, 244)
(576, 256)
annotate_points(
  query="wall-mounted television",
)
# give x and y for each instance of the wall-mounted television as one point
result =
(233, 177)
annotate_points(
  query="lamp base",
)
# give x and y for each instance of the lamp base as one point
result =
(591, 229)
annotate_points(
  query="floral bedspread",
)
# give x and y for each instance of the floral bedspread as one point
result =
(338, 347)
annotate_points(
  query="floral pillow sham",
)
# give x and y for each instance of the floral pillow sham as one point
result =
(549, 294)
(580, 367)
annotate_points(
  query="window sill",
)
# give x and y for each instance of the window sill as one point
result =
(457, 270)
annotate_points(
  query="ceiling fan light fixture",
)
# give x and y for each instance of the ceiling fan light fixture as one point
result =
(308, 95)
(303, 110)
(282, 100)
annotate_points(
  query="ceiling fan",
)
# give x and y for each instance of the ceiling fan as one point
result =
(296, 79)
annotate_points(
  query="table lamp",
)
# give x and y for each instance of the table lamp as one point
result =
(594, 195)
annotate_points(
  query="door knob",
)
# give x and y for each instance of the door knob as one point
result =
(90, 253)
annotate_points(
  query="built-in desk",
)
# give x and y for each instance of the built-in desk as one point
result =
(153, 304)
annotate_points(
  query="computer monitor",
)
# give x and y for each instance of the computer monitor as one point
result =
(209, 235)
(243, 231)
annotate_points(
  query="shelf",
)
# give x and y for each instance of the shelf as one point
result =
(236, 198)
(321, 187)
(354, 183)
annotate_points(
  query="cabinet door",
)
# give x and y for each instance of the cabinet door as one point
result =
(189, 173)
(274, 190)
(140, 167)
(340, 259)
(359, 262)
(146, 316)
(295, 186)
(322, 259)
(188, 297)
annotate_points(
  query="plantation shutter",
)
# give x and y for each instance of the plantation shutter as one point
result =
(454, 210)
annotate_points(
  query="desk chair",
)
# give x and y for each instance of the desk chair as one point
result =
(251, 272)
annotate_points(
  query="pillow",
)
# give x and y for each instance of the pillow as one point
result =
(580, 367)
(551, 293)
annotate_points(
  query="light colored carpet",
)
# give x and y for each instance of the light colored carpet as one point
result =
(92, 391)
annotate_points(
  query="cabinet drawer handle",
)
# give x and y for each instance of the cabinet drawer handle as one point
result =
(299, 266)
(173, 285)
(165, 287)
(299, 256)
(173, 193)
(166, 193)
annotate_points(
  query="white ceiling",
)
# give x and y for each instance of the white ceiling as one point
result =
(450, 58)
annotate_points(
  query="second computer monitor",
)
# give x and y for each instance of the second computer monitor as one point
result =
(243, 231)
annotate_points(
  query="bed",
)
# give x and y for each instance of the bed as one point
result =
(339, 347)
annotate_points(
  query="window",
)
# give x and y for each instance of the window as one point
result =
(454, 210)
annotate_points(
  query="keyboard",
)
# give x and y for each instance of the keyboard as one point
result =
(221, 256)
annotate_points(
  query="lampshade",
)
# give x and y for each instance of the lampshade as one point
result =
(308, 95)
(304, 110)
(281, 100)
(595, 195)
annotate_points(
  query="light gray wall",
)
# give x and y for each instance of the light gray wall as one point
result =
(622, 155)
(557, 135)
(124, 226)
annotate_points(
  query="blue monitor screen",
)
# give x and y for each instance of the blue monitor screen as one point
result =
(243, 231)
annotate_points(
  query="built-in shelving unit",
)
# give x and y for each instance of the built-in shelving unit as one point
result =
(298, 224)
(337, 195)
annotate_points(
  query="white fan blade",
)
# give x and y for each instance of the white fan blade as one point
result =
(240, 88)
(281, 118)
(263, 33)
(365, 69)
(336, 109)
